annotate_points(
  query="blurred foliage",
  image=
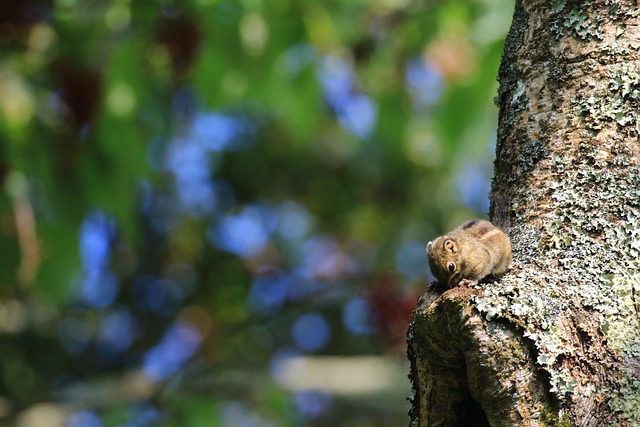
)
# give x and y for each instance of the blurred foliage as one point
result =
(196, 192)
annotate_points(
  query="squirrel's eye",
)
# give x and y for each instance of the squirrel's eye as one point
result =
(451, 267)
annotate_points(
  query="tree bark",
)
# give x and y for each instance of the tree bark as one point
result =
(556, 341)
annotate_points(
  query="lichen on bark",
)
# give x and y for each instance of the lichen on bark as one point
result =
(558, 337)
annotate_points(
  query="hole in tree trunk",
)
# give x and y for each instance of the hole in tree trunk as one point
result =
(472, 414)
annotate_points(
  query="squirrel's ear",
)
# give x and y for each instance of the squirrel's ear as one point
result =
(429, 244)
(450, 246)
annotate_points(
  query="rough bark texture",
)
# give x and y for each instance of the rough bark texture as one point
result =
(556, 341)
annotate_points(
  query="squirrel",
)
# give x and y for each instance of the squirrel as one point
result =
(468, 254)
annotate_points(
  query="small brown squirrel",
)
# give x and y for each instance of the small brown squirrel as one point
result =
(471, 252)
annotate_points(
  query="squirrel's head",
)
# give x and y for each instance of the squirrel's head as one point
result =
(443, 254)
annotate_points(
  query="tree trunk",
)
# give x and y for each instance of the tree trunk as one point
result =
(556, 341)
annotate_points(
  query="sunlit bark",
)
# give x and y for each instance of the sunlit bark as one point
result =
(556, 340)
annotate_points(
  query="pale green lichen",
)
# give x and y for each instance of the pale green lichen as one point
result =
(576, 21)
(558, 5)
(597, 266)
(626, 80)
(618, 103)
(622, 332)
(583, 254)
(623, 336)
(630, 398)
(600, 111)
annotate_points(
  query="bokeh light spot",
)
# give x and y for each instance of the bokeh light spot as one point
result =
(254, 31)
(310, 332)
(411, 259)
(294, 221)
(359, 114)
(244, 234)
(356, 316)
(179, 343)
(121, 100)
(84, 419)
(217, 132)
(190, 164)
(312, 403)
(118, 330)
(322, 258)
(17, 102)
(424, 83)
(99, 289)
(356, 112)
(473, 183)
(295, 59)
(95, 235)
(268, 294)
(118, 17)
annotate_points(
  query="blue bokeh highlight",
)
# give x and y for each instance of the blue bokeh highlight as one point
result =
(411, 259)
(356, 112)
(312, 403)
(244, 234)
(268, 294)
(424, 83)
(178, 344)
(311, 332)
(84, 419)
(118, 330)
(357, 316)
(98, 285)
